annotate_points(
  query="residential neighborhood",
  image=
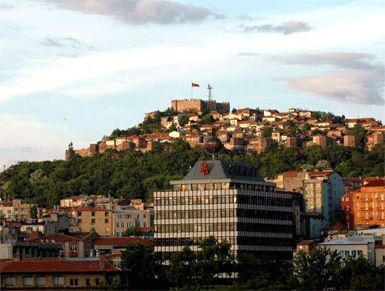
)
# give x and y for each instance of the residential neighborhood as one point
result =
(245, 129)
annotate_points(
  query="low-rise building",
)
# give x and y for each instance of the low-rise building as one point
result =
(125, 217)
(88, 219)
(16, 210)
(352, 246)
(56, 274)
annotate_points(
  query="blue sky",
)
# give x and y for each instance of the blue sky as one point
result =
(74, 70)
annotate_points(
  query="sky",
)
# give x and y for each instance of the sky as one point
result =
(75, 70)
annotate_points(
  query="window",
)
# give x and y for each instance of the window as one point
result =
(40, 281)
(58, 280)
(93, 213)
(9, 281)
(106, 220)
(73, 248)
(93, 220)
(79, 221)
(97, 281)
(106, 213)
(27, 281)
(88, 282)
(74, 282)
(79, 213)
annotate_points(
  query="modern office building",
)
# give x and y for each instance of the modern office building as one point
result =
(230, 201)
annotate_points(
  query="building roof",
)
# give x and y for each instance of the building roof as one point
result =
(122, 241)
(219, 170)
(6, 204)
(323, 173)
(374, 183)
(353, 240)
(55, 266)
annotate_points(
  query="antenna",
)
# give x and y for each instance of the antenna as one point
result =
(209, 88)
(210, 105)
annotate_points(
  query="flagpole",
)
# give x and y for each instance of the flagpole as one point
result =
(191, 90)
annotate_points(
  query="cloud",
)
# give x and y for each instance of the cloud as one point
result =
(285, 28)
(355, 78)
(140, 11)
(86, 76)
(30, 139)
(245, 17)
(248, 54)
(5, 6)
(66, 42)
(339, 59)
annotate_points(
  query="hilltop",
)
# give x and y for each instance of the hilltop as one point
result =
(135, 162)
(245, 130)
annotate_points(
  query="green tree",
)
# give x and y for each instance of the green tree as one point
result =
(132, 231)
(359, 274)
(143, 266)
(182, 268)
(206, 119)
(317, 270)
(183, 120)
(306, 127)
(212, 258)
(267, 131)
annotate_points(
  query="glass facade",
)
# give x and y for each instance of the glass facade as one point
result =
(251, 216)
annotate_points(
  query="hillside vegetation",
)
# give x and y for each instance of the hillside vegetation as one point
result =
(132, 174)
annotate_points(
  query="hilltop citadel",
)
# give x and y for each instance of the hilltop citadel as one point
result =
(243, 130)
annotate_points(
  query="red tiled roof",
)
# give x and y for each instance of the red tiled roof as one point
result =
(122, 241)
(90, 209)
(113, 256)
(61, 238)
(290, 174)
(7, 204)
(321, 173)
(80, 235)
(374, 183)
(351, 180)
(54, 266)
(33, 236)
(146, 229)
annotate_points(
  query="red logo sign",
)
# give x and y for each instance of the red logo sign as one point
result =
(205, 168)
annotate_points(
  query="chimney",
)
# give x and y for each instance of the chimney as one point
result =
(16, 258)
(81, 249)
(102, 264)
(66, 249)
